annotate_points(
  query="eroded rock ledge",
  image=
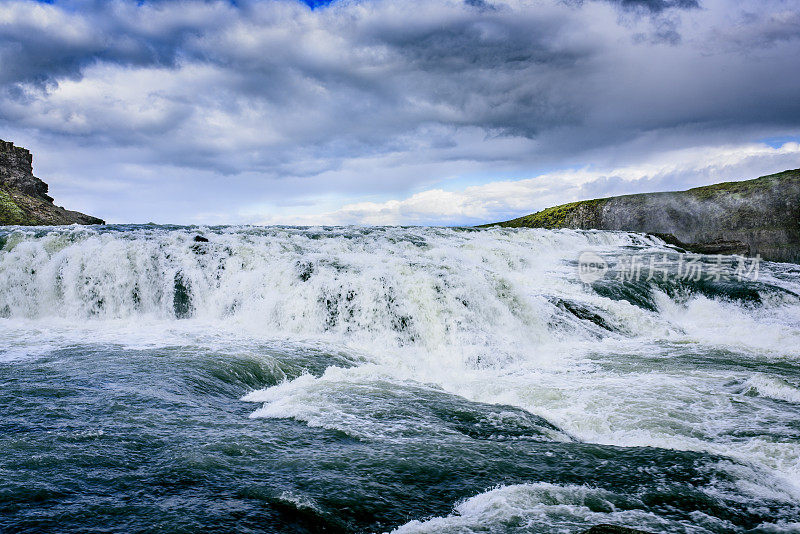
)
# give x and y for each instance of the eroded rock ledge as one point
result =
(23, 197)
(760, 216)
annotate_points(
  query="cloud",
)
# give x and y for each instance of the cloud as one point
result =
(272, 102)
(657, 5)
(503, 200)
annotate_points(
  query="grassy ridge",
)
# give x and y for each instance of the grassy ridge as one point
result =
(555, 217)
(752, 217)
(18, 208)
(568, 215)
(10, 212)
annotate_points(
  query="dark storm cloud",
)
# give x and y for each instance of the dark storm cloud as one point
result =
(40, 44)
(657, 5)
(384, 96)
(393, 74)
(650, 6)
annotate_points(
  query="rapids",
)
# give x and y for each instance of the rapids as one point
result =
(372, 379)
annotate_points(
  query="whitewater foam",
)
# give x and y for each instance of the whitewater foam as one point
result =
(495, 316)
(547, 507)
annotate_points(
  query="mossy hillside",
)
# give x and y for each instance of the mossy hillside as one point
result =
(746, 188)
(563, 216)
(765, 204)
(576, 214)
(18, 208)
(10, 212)
(760, 216)
(554, 217)
(23, 197)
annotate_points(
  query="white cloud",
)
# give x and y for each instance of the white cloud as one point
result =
(500, 200)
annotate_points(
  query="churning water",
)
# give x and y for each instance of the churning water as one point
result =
(388, 379)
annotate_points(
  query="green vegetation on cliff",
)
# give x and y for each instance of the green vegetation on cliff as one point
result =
(10, 213)
(23, 197)
(760, 216)
(745, 188)
(555, 217)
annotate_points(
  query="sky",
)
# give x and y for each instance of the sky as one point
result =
(414, 112)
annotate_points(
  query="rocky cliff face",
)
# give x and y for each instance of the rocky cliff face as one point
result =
(23, 197)
(760, 216)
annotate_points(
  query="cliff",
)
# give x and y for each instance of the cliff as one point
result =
(23, 197)
(760, 216)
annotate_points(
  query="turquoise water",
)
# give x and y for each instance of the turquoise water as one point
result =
(372, 380)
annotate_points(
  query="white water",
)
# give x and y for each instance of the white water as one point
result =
(470, 313)
(545, 507)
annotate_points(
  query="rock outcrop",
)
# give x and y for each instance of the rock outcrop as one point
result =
(23, 197)
(753, 217)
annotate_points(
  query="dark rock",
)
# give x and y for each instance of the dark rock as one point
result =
(718, 246)
(612, 529)
(23, 197)
(16, 171)
(182, 298)
(753, 217)
(199, 246)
